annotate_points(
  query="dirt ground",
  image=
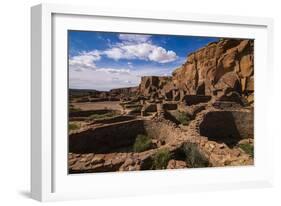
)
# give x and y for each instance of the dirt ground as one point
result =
(111, 105)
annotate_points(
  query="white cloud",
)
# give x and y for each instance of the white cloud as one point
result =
(115, 71)
(84, 60)
(137, 46)
(143, 51)
(137, 51)
(159, 54)
(140, 38)
(103, 79)
(84, 73)
(114, 53)
(115, 78)
(133, 46)
(128, 81)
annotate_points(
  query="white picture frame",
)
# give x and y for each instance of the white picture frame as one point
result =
(49, 179)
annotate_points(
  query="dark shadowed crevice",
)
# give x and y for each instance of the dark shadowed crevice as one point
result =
(106, 139)
(220, 127)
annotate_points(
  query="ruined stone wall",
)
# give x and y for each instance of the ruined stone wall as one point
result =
(116, 119)
(222, 125)
(196, 99)
(106, 138)
(126, 90)
(110, 137)
(161, 130)
(152, 84)
(245, 123)
(170, 106)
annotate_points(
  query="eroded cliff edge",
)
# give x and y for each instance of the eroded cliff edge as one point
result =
(223, 70)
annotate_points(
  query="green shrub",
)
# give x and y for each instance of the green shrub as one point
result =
(248, 148)
(73, 126)
(142, 143)
(194, 158)
(183, 118)
(161, 158)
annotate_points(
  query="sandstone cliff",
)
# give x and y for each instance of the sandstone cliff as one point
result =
(219, 69)
(151, 85)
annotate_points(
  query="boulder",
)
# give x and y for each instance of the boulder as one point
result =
(176, 164)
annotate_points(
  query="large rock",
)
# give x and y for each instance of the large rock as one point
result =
(176, 164)
(207, 66)
(225, 66)
(153, 86)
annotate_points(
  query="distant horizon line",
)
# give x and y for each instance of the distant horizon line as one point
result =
(102, 90)
(119, 87)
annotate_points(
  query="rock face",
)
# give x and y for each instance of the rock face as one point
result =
(150, 85)
(217, 70)
(176, 164)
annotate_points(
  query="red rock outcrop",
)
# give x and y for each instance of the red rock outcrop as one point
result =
(152, 84)
(216, 70)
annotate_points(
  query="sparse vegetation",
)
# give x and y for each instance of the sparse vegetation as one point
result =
(161, 159)
(73, 109)
(142, 143)
(194, 158)
(182, 117)
(73, 126)
(136, 109)
(104, 116)
(248, 148)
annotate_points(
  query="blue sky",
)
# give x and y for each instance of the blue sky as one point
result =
(106, 60)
